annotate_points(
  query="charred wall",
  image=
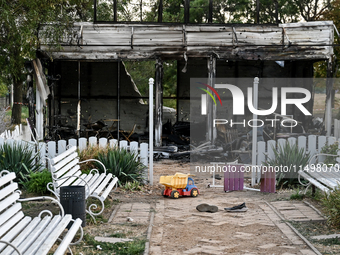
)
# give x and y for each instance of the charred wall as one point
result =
(98, 90)
(99, 94)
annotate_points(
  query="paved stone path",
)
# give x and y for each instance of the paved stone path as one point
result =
(241, 233)
(297, 211)
(179, 228)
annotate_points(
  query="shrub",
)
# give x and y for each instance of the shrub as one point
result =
(122, 164)
(292, 157)
(331, 202)
(330, 149)
(297, 195)
(37, 182)
(20, 159)
(90, 152)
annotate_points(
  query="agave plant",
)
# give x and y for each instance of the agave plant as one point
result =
(122, 164)
(20, 159)
(289, 158)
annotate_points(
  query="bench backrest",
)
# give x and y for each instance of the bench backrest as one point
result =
(64, 167)
(10, 208)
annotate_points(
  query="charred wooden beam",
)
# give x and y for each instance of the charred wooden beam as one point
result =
(160, 11)
(79, 101)
(309, 40)
(211, 109)
(177, 90)
(265, 53)
(95, 10)
(329, 88)
(51, 98)
(186, 11)
(210, 17)
(276, 11)
(257, 15)
(158, 102)
(118, 99)
(115, 10)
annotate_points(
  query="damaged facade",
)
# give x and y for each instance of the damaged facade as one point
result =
(94, 83)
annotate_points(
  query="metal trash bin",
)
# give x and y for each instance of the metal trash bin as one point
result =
(72, 198)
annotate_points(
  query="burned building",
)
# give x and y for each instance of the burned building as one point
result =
(95, 85)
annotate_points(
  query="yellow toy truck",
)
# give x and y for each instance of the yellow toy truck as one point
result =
(178, 185)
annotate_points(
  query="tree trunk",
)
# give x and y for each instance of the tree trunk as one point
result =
(16, 111)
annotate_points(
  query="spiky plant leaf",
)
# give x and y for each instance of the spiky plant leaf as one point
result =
(122, 164)
(20, 159)
(291, 157)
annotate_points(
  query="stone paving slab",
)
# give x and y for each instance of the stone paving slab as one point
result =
(307, 252)
(139, 212)
(112, 239)
(282, 226)
(323, 237)
(296, 211)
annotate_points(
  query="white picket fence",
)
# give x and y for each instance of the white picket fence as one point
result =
(55, 148)
(15, 134)
(52, 148)
(312, 144)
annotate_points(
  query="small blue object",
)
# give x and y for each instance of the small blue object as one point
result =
(190, 186)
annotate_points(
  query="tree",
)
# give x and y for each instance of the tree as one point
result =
(320, 68)
(3, 88)
(21, 23)
(141, 71)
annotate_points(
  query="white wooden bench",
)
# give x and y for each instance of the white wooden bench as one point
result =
(24, 235)
(65, 171)
(324, 177)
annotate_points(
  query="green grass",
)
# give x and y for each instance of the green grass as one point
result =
(331, 241)
(170, 103)
(297, 196)
(118, 235)
(135, 247)
(24, 112)
(99, 218)
(309, 229)
(299, 190)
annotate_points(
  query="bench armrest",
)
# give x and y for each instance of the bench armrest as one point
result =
(88, 160)
(14, 247)
(44, 198)
(321, 154)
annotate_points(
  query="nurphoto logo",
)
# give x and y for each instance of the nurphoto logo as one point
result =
(238, 102)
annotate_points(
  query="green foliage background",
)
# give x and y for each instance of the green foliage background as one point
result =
(141, 71)
(21, 32)
(3, 89)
